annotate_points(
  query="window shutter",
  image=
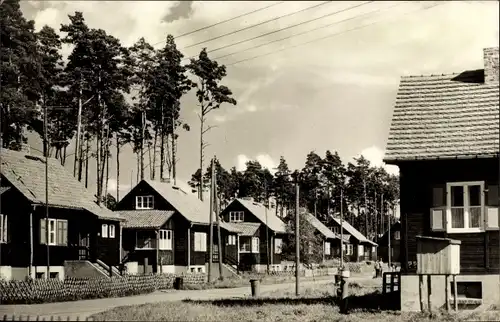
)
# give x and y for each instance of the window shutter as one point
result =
(491, 218)
(439, 196)
(64, 240)
(43, 231)
(59, 238)
(438, 219)
(492, 197)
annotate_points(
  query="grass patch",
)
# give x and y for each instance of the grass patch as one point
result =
(316, 303)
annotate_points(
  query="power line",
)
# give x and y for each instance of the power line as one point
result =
(292, 26)
(328, 36)
(308, 31)
(256, 25)
(227, 20)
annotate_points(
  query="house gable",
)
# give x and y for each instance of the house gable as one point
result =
(128, 202)
(235, 205)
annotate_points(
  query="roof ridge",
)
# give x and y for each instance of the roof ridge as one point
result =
(431, 75)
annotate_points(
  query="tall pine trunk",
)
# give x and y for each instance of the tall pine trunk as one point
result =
(155, 142)
(143, 131)
(117, 168)
(87, 164)
(162, 145)
(174, 161)
(107, 178)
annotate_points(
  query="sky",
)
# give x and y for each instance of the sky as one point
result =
(312, 92)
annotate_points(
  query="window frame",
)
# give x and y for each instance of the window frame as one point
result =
(249, 240)
(141, 205)
(104, 231)
(257, 249)
(234, 214)
(3, 229)
(397, 235)
(199, 245)
(231, 240)
(348, 249)
(329, 248)
(165, 238)
(54, 233)
(112, 231)
(278, 246)
(465, 185)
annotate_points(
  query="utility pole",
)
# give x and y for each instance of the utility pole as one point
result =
(78, 130)
(366, 207)
(267, 227)
(375, 213)
(342, 228)
(46, 154)
(211, 227)
(389, 233)
(217, 211)
(381, 215)
(297, 238)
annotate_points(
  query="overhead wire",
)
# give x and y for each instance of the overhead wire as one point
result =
(227, 20)
(288, 27)
(329, 36)
(310, 30)
(257, 24)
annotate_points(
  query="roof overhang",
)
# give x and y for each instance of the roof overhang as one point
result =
(395, 161)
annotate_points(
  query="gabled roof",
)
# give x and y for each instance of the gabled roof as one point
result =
(353, 231)
(154, 219)
(320, 226)
(246, 228)
(187, 204)
(27, 174)
(265, 215)
(444, 116)
(394, 227)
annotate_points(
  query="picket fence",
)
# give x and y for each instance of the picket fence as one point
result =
(43, 318)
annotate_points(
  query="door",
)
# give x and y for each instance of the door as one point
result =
(83, 246)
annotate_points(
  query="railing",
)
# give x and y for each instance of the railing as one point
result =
(230, 260)
(146, 243)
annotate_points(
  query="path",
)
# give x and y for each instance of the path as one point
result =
(85, 308)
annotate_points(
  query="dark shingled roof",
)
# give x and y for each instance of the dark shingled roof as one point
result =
(27, 174)
(444, 116)
(246, 228)
(145, 218)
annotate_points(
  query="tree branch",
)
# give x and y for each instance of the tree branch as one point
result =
(208, 128)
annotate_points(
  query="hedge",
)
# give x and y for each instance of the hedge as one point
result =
(72, 289)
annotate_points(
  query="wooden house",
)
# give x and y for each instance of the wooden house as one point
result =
(80, 238)
(383, 244)
(167, 230)
(357, 247)
(261, 235)
(444, 137)
(330, 240)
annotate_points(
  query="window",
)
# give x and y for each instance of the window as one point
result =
(348, 249)
(144, 202)
(255, 244)
(231, 240)
(104, 231)
(3, 228)
(361, 250)
(58, 232)
(111, 231)
(397, 235)
(327, 248)
(245, 244)
(336, 230)
(236, 216)
(278, 244)
(166, 240)
(54, 275)
(39, 275)
(200, 242)
(465, 202)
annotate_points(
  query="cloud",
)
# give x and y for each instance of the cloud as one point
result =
(265, 160)
(183, 9)
(376, 156)
(112, 186)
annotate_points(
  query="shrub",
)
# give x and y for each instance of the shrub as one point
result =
(72, 289)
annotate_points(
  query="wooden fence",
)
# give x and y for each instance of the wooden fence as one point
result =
(44, 318)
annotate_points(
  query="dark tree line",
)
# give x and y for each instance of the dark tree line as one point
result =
(103, 97)
(368, 194)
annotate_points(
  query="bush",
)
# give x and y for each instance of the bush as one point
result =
(72, 289)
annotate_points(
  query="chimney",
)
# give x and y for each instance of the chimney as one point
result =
(247, 198)
(165, 180)
(491, 65)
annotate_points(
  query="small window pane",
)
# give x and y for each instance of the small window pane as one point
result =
(457, 196)
(475, 217)
(457, 218)
(474, 195)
